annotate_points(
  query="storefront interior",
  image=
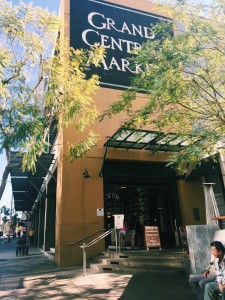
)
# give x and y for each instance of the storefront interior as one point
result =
(146, 194)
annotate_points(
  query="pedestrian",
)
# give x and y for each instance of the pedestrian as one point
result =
(139, 234)
(31, 235)
(213, 289)
(132, 230)
(123, 233)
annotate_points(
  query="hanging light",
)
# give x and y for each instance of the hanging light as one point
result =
(86, 175)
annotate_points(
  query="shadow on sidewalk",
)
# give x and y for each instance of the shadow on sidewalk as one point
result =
(158, 287)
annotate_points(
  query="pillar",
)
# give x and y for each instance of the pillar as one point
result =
(36, 226)
(50, 209)
(41, 223)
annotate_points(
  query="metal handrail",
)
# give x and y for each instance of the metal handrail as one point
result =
(84, 246)
(85, 237)
(105, 234)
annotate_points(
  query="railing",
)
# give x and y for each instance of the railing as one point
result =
(84, 246)
(85, 237)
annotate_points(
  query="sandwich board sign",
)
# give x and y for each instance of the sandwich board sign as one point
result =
(152, 239)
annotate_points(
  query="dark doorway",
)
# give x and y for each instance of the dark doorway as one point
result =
(147, 195)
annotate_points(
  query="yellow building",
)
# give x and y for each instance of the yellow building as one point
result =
(125, 177)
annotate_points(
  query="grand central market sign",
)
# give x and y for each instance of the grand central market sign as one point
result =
(119, 29)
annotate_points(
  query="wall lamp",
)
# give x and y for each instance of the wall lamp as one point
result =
(86, 174)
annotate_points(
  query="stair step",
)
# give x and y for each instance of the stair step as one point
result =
(157, 261)
(145, 254)
(137, 269)
(142, 258)
(141, 261)
(121, 261)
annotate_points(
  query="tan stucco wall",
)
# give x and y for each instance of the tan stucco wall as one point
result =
(77, 202)
(191, 196)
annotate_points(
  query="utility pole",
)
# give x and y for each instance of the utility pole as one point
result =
(11, 207)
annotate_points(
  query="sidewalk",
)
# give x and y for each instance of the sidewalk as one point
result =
(36, 277)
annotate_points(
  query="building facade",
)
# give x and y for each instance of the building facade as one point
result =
(125, 177)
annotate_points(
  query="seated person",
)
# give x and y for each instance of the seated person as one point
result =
(213, 289)
(198, 281)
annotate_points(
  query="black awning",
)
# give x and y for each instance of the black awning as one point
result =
(147, 140)
(25, 185)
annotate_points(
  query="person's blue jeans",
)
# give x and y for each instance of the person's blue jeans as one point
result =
(212, 291)
(198, 282)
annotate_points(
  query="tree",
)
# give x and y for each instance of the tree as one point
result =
(29, 104)
(183, 82)
(6, 212)
(14, 219)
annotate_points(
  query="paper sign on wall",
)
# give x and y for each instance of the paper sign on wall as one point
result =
(100, 212)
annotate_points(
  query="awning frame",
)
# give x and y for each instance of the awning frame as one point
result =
(146, 140)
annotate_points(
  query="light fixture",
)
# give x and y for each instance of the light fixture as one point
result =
(86, 175)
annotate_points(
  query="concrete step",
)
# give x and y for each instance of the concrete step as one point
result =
(144, 257)
(135, 262)
(139, 262)
(134, 269)
(145, 254)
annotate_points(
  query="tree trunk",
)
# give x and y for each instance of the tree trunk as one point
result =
(4, 180)
(5, 173)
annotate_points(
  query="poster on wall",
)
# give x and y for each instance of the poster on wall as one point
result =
(119, 29)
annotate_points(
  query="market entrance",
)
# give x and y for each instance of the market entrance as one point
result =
(146, 194)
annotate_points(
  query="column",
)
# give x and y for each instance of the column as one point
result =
(36, 227)
(41, 223)
(50, 209)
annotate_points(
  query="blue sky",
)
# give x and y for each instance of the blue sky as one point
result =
(52, 5)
